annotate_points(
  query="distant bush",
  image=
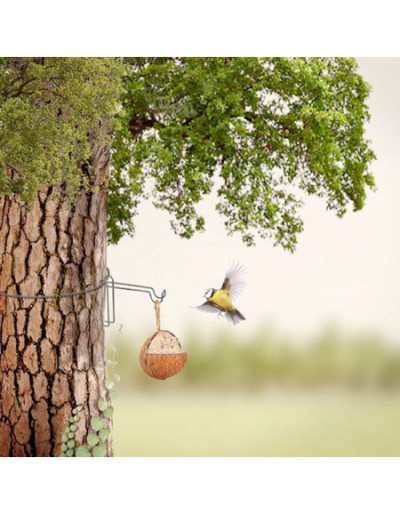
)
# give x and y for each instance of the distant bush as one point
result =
(266, 359)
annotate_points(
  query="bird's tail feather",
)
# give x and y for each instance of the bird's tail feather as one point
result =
(235, 316)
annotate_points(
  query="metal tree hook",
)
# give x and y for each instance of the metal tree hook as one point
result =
(111, 285)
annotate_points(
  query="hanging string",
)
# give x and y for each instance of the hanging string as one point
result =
(157, 309)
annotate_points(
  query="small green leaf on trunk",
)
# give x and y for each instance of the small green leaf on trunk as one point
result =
(102, 405)
(108, 413)
(82, 451)
(96, 423)
(100, 451)
(92, 439)
(104, 434)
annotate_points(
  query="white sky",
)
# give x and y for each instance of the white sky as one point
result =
(344, 270)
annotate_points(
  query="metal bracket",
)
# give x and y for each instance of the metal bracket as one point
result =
(111, 285)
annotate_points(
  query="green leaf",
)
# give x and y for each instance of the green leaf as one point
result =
(102, 405)
(92, 439)
(108, 413)
(73, 427)
(82, 451)
(71, 443)
(104, 434)
(96, 423)
(100, 451)
(69, 453)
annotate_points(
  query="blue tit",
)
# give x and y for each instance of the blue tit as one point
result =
(220, 301)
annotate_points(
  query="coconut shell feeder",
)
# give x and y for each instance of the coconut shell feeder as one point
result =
(161, 355)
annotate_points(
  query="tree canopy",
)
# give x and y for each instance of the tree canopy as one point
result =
(261, 133)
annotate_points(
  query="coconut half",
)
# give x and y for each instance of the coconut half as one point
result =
(162, 355)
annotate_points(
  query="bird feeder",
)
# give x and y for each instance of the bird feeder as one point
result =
(162, 355)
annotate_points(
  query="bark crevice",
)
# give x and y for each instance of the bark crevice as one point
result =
(51, 351)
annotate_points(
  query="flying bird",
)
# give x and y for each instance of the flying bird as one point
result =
(220, 301)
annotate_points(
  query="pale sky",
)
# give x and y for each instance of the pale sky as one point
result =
(344, 270)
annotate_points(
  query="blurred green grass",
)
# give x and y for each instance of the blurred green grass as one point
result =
(335, 394)
(273, 424)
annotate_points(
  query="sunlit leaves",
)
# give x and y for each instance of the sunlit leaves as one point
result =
(49, 109)
(260, 131)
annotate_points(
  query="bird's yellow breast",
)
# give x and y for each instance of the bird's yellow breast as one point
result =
(222, 299)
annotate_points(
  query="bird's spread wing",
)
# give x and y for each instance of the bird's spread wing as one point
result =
(209, 307)
(234, 280)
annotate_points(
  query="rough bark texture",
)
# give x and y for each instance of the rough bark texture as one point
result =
(51, 352)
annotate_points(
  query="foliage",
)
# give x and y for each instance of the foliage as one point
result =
(262, 132)
(261, 129)
(50, 109)
(265, 359)
(68, 438)
(96, 439)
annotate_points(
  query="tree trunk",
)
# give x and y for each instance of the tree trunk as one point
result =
(52, 355)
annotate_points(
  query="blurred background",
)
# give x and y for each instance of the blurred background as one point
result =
(315, 368)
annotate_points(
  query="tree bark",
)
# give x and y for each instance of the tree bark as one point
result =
(52, 356)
